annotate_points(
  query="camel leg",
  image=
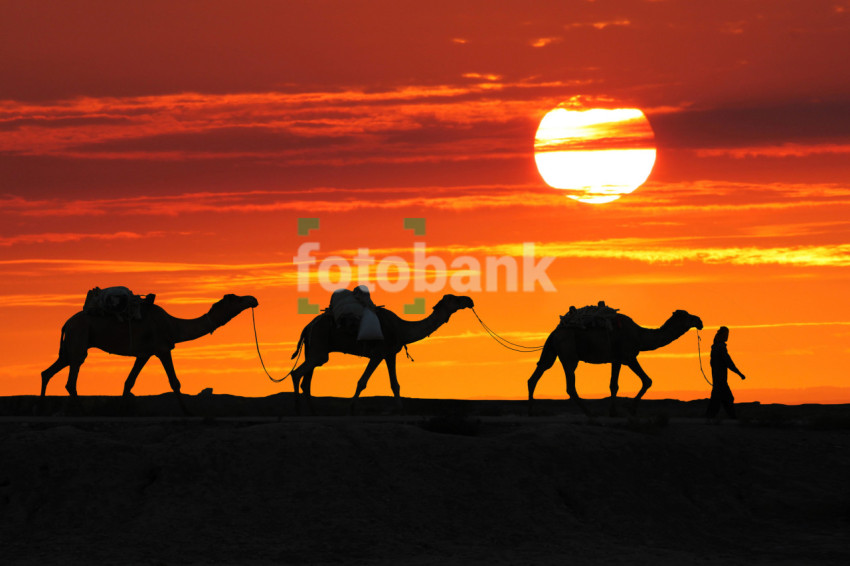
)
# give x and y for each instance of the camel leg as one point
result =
(313, 358)
(646, 383)
(394, 383)
(364, 379)
(301, 379)
(57, 366)
(305, 388)
(615, 386)
(168, 365)
(72, 352)
(570, 366)
(134, 373)
(532, 385)
(73, 374)
(547, 359)
(296, 384)
(71, 386)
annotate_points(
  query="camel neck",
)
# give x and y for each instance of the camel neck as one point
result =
(193, 328)
(654, 338)
(415, 330)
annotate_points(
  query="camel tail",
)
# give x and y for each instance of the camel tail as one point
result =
(298, 349)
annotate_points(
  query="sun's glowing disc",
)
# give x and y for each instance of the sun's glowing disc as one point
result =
(595, 155)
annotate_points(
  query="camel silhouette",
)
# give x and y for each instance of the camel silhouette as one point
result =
(155, 334)
(321, 336)
(619, 345)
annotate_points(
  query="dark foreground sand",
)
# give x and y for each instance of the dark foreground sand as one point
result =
(452, 483)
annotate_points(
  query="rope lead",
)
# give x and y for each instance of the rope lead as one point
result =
(503, 341)
(699, 354)
(257, 342)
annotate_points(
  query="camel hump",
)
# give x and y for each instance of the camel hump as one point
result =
(591, 316)
(344, 303)
(355, 311)
(115, 301)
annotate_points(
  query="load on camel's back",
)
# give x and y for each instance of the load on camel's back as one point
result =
(354, 312)
(118, 301)
(591, 316)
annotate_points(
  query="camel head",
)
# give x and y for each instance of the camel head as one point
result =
(686, 319)
(229, 306)
(453, 303)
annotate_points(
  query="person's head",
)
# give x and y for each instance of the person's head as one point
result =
(722, 335)
(362, 289)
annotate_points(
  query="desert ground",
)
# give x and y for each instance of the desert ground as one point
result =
(245, 481)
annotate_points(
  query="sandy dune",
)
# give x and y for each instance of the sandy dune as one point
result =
(452, 483)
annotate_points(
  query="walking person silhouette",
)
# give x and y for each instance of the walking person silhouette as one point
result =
(720, 362)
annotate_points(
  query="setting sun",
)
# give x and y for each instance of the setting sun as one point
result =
(595, 155)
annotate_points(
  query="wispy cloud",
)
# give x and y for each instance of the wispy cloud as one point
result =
(600, 25)
(303, 127)
(777, 151)
(655, 199)
(315, 201)
(795, 129)
(654, 251)
(544, 41)
(192, 283)
(489, 77)
(665, 251)
(792, 324)
(189, 283)
(530, 339)
(40, 300)
(236, 350)
(118, 266)
(62, 237)
(704, 196)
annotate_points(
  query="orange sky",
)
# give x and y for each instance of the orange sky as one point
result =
(172, 148)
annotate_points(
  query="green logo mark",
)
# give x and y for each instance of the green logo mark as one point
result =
(415, 224)
(307, 224)
(304, 306)
(418, 306)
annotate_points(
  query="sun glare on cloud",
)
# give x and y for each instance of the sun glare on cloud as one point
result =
(595, 155)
